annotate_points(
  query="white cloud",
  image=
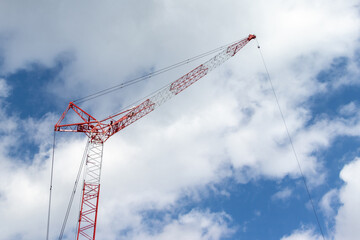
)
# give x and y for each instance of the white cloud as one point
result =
(4, 88)
(348, 109)
(229, 119)
(283, 194)
(327, 202)
(194, 225)
(348, 215)
(303, 234)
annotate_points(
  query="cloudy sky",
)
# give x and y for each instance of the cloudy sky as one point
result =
(213, 163)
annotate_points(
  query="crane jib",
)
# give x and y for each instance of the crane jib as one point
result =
(188, 79)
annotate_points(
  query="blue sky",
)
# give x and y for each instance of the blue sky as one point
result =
(212, 163)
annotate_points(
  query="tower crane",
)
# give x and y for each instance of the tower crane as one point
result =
(99, 131)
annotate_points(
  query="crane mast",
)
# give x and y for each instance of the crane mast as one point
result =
(98, 131)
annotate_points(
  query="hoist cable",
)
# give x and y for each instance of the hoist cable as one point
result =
(139, 100)
(73, 192)
(149, 75)
(291, 143)
(142, 78)
(50, 194)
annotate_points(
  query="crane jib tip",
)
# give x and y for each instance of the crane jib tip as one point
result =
(251, 36)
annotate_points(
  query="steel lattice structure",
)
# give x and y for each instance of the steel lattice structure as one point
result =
(99, 131)
(91, 190)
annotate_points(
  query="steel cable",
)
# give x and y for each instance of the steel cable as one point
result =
(147, 76)
(292, 144)
(73, 192)
(51, 181)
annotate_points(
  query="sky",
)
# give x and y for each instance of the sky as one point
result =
(215, 162)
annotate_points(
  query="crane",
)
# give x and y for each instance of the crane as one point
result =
(99, 131)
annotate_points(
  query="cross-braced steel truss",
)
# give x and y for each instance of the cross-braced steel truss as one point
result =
(91, 190)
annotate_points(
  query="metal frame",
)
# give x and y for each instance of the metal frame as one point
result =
(91, 191)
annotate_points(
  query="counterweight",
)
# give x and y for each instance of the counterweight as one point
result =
(98, 131)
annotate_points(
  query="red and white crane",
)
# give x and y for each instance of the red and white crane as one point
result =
(98, 131)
